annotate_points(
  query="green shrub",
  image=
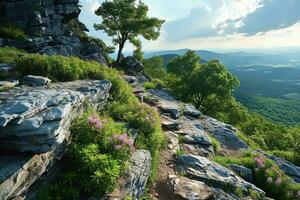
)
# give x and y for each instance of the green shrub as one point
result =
(149, 85)
(12, 32)
(267, 175)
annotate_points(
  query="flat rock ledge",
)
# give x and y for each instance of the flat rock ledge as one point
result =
(34, 129)
(35, 119)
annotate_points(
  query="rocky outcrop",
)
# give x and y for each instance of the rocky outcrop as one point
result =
(201, 169)
(194, 175)
(133, 183)
(36, 120)
(137, 175)
(49, 26)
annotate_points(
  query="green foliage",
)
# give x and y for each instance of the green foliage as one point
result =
(149, 85)
(180, 152)
(138, 54)
(10, 31)
(216, 144)
(127, 20)
(196, 83)
(154, 67)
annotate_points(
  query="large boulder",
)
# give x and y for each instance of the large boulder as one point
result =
(201, 169)
(131, 64)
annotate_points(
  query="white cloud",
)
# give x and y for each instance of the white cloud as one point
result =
(289, 36)
(215, 24)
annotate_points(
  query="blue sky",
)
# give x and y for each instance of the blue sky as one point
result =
(216, 24)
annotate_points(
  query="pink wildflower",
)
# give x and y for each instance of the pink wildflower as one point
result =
(260, 161)
(298, 194)
(95, 122)
(278, 181)
(269, 180)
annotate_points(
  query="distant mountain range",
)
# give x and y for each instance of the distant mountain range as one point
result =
(277, 59)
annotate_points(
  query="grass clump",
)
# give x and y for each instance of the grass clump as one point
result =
(216, 144)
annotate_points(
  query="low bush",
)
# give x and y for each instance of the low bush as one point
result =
(267, 175)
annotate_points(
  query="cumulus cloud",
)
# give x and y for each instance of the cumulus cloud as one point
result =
(225, 17)
(215, 23)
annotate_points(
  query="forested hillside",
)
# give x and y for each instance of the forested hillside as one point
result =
(257, 82)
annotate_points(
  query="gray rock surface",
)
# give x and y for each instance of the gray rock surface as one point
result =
(35, 81)
(37, 119)
(5, 85)
(186, 189)
(195, 138)
(201, 169)
(173, 142)
(167, 104)
(190, 110)
(242, 171)
(135, 178)
(5, 67)
(132, 65)
(138, 174)
(224, 133)
(170, 124)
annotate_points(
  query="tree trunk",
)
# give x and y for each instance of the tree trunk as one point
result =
(121, 46)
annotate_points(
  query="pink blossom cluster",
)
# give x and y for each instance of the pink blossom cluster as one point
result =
(260, 161)
(95, 121)
(122, 141)
(298, 194)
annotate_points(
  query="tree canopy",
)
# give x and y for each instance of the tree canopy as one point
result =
(127, 20)
(196, 82)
